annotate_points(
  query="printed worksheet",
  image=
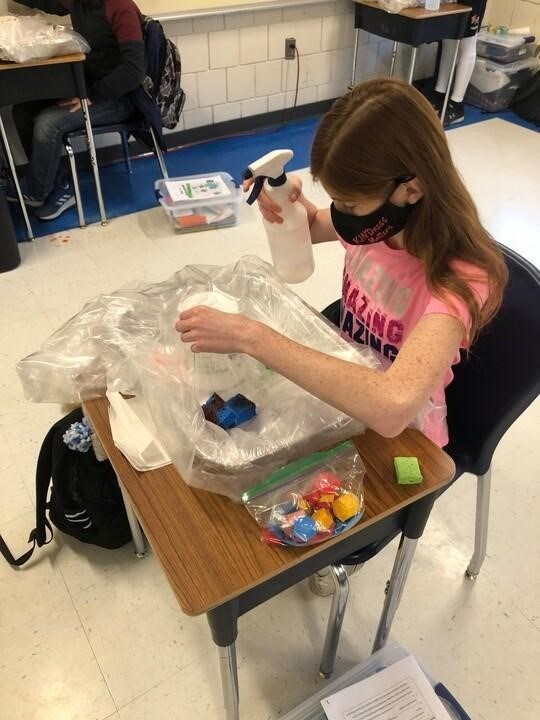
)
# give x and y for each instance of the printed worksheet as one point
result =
(400, 692)
(207, 188)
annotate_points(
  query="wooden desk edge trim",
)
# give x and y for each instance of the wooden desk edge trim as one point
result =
(57, 60)
(420, 13)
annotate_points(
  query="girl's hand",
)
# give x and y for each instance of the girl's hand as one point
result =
(270, 210)
(214, 331)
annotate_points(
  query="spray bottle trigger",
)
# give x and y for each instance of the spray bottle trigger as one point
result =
(257, 189)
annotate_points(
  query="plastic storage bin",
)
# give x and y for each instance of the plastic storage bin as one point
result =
(493, 84)
(199, 202)
(312, 709)
(503, 48)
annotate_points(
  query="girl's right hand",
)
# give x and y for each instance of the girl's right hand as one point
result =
(270, 210)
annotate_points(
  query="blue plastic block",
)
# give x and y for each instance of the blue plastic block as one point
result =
(237, 410)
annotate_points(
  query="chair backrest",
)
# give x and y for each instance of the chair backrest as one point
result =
(500, 376)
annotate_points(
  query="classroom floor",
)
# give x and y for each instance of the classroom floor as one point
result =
(90, 634)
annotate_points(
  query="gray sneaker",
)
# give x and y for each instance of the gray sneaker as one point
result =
(60, 200)
(12, 196)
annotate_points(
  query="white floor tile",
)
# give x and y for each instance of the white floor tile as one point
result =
(49, 671)
(109, 639)
(141, 638)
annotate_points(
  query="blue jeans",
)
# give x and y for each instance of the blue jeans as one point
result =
(47, 126)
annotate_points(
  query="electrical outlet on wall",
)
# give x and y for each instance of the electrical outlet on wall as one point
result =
(290, 48)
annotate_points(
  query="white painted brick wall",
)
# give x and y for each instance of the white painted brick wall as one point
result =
(233, 64)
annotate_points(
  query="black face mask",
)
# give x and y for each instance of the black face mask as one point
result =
(381, 224)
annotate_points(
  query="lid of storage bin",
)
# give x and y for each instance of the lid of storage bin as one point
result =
(507, 41)
(209, 189)
(528, 63)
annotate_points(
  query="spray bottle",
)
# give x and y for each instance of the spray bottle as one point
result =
(290, 241)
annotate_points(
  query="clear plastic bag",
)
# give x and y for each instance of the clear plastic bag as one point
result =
(310, 500)
(32, 37)
(126, 342)
(396, 6)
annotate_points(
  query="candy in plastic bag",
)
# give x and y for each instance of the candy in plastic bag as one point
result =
(310, 500)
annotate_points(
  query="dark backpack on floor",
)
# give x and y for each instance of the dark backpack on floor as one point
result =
(526, 101)
(85, 500)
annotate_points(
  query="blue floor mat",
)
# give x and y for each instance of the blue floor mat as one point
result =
(125, 194)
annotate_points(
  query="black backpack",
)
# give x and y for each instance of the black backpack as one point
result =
(526, 101)
(85, 499)
(163, 73)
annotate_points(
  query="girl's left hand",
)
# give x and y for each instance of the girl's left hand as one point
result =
(214, 331)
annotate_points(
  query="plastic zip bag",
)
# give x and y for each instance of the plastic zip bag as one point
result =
(32, 37)
(310, 500)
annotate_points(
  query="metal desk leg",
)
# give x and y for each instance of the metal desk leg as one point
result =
(355, 56)
(450, 81)
(93, 159)
(13, 169)
(136, 533)
(393, 60)
(402, 564)
(229, 681)
(223, 622)
(411, 65)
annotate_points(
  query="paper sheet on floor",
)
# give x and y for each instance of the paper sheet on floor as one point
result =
(400, 692)
(207, 188)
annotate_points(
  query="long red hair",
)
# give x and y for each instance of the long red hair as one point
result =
(384, 129)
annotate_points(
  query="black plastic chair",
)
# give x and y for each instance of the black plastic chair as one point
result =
(125, 130)
(493, 385)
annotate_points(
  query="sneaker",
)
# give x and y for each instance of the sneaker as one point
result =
(12, 196)
(437, 101)
(60, 200)
(455, 113)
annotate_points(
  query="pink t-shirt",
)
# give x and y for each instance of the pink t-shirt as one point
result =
(385, 294)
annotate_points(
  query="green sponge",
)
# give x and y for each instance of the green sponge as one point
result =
(407, 470)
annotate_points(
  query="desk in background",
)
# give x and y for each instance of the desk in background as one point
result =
(53, 79)
(212, 555)
(412, 26)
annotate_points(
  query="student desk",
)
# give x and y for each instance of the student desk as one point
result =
(54, 79)
(210, 548)
(412, 26)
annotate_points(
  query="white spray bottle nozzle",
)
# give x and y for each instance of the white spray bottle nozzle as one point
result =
(269, 166)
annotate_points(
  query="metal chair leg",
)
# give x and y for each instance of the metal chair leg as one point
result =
(159, 155)
(393, 60)
(335, 621)
(394, 589)
(450, 81)
(93, 159)
(355, 56)
(229, 681)
(411, 65)
(75, 181)
(483, 491)
(127, 157)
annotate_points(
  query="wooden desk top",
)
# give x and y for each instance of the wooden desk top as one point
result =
(59, 60)
(420, 13)
(210, 548)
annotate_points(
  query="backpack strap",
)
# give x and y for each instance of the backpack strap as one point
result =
(38, 536)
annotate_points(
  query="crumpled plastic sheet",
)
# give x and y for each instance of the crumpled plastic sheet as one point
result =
(32, 37)
(126, 342)
(396, 6)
